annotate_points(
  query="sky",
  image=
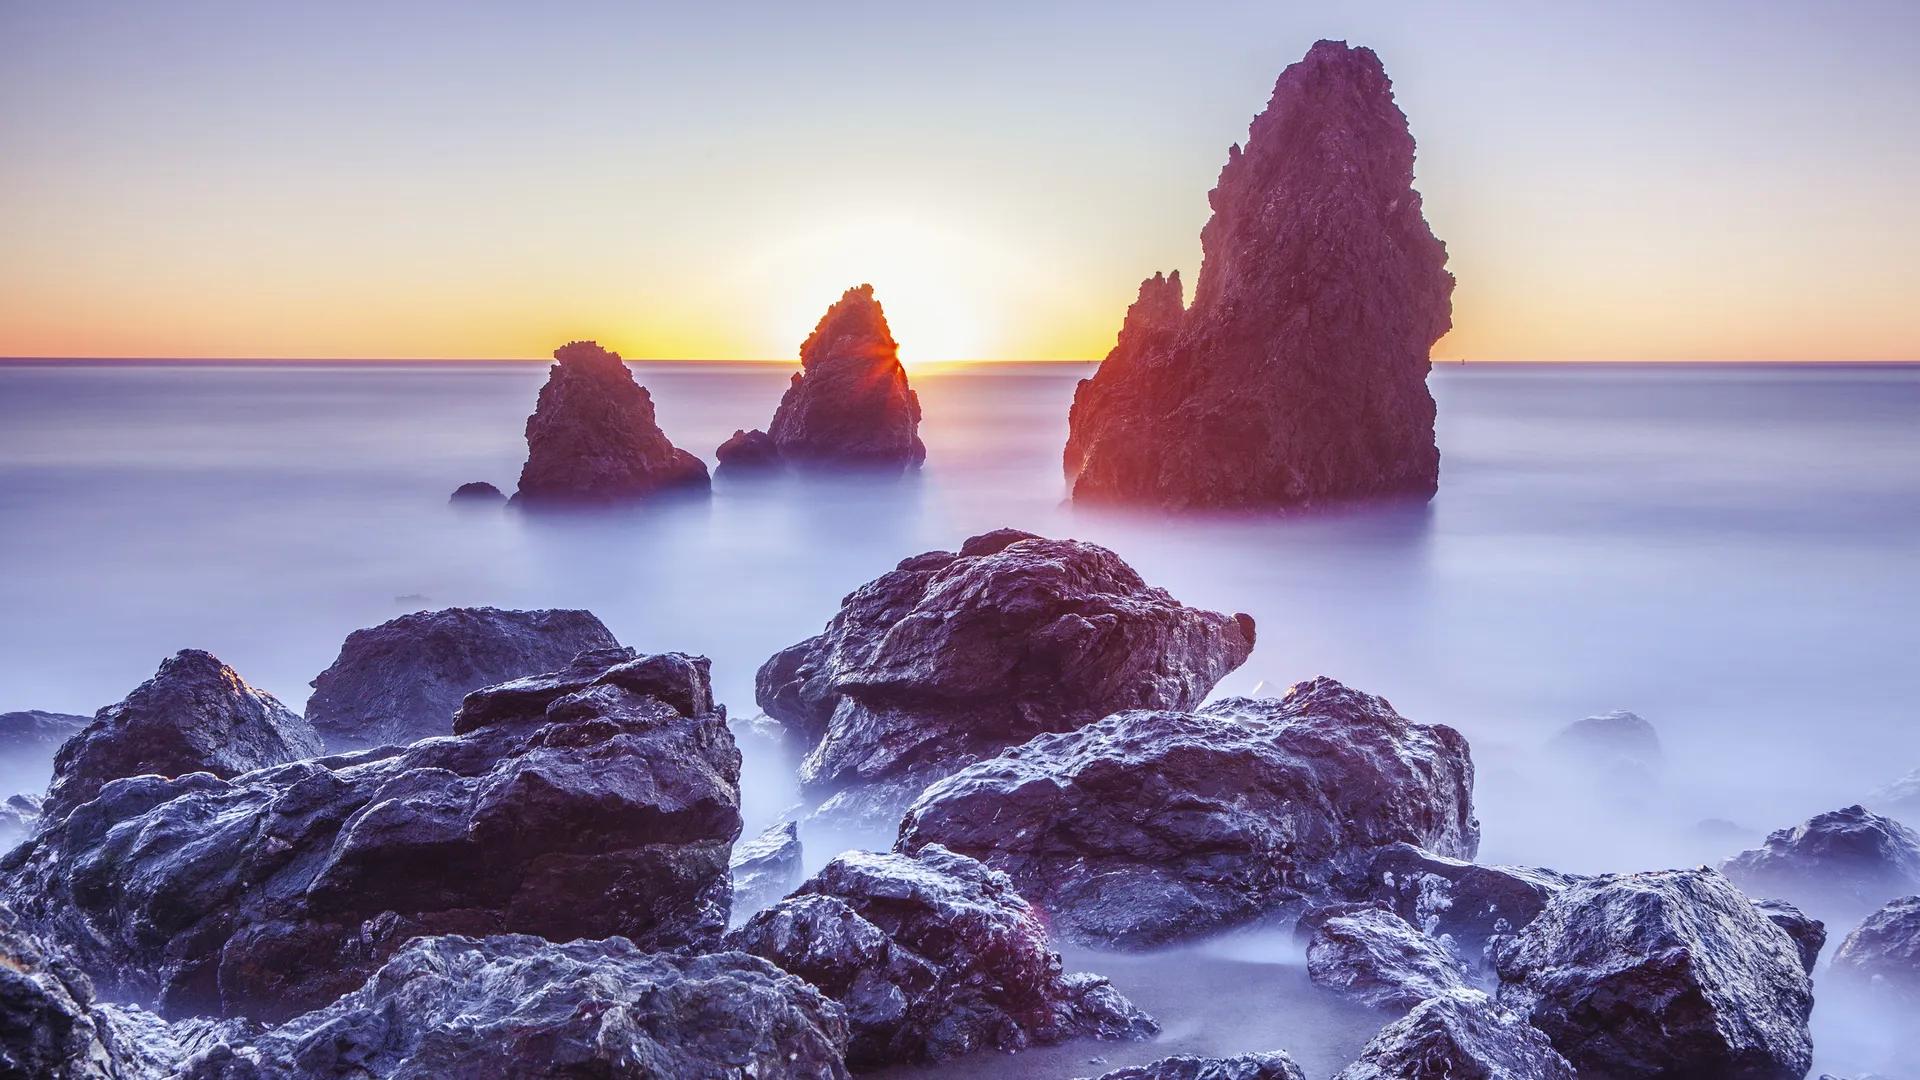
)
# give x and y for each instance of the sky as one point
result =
(1700, 181)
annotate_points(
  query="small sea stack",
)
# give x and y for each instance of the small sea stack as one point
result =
(593, 438)
(1298, 375)
(848, 405)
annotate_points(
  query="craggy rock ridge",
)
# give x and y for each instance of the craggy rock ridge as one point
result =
(1149, 827)
(950, 658)
(1269, 1066)
(1882, 954)
(849, 404)
(519, 1006)
(1375, 958)
(933, 955)
(196, 715)
(402, 681)
(765, 869)
(1459, 1037)
(1841, 863)
(1665, 974)
(1299, 373)
(597, 801)
(592, 437)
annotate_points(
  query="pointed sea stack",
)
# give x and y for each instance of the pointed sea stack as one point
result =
(1299, 374)
(593, 437)
(849, 404)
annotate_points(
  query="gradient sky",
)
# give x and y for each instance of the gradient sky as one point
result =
(1614, 181)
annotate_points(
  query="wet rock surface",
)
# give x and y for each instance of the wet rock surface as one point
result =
(593, 437)
(196, 715)
(523, 1007)
(1268, 1066)
(933, 955)
(849, 404)
(402, 681)
(1459, 1037)
(1664, 974)
(1148, 827)
(1375, 958)
(951, 657)
(1809, 934)
(1456, 901)
(1882, 954)
(598, 801)
(1841, 863)
(765, 869)
(1299, 373)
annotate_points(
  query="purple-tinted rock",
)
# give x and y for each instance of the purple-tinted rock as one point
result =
(1882, 954)
(1839, 864)
(1809, 934)
(402, 681)
(1457, 901)
(1459, 1037)
(933, 955)
(849, 404)
(1148, 827)
(745, 450)
(1299, 373)
(477, 492)
(1375, 958)
(1268, 1066)
(765, 869)
(593, 438)
(950, 658)
(195, 715)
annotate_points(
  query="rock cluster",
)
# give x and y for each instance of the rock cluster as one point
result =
(593, 438)
(196, 715)
(1841, 863)
(1299, 373)
(1152, 826)
(1459, 1037)
(1374, 957)
(952, 657)
(765, 869)
(1882, 954)
(402, 681)
(933, 955)
(1268, 1066)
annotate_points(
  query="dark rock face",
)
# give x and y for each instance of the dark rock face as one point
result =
(850, 403)
(477, 492)
(593, 437)
(1809, 934)
(1667, 974)
(933, 955)
(598, 801)
(195, 715)
(1375, 958)
(1882, 954)
(765, 869)
(402, 681)
(522, 1007)
(1456, 901)
(1269, 1066)
(1299, 373)
(950, 658)
(1149, 827)
(1840, 863)
(1459, 1037)
(748, 450)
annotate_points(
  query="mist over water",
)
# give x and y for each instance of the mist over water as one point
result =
(1729, 551)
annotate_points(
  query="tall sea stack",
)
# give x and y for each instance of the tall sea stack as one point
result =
(593, 437)
(1299, 373)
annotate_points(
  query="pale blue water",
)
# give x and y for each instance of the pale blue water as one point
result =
(1728, 550)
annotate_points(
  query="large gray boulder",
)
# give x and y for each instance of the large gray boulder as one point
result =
(1152, 826)
(1459, 1037)
(402, 681)
(1840, 864)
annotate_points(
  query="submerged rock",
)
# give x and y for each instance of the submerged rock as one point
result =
(196, 715)
(479, 491)
(1456, 901)
(520, 1006)
(933, 955)
(1269, 1066)
(1809, 934)
(765, 869)
(1459, 1037)
(402, 681)
(599, 801)
(1882, 954)
(950, 658)
(593, 438)
(1299, 373)
(746, 450)
(1149, 827)
(849, 403)
(1665, 974)
(1842, 863)
(1375, 958)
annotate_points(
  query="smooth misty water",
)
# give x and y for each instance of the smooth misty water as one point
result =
(1729, 551)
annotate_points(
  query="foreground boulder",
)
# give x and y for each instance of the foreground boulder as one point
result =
(1882, 954)
(849, 403)
(1375, 958)
(765, 868)
(1665, 974)
(1148, 827)
(402, 681)
(596, 801)
(950, 658)
(196, 715)
(1461, 903)
(593, 438)
(1268, 1066)
(1459, 1037)
(522, 1007)
(1299, 373)
(933, 956)
(1841, 863)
